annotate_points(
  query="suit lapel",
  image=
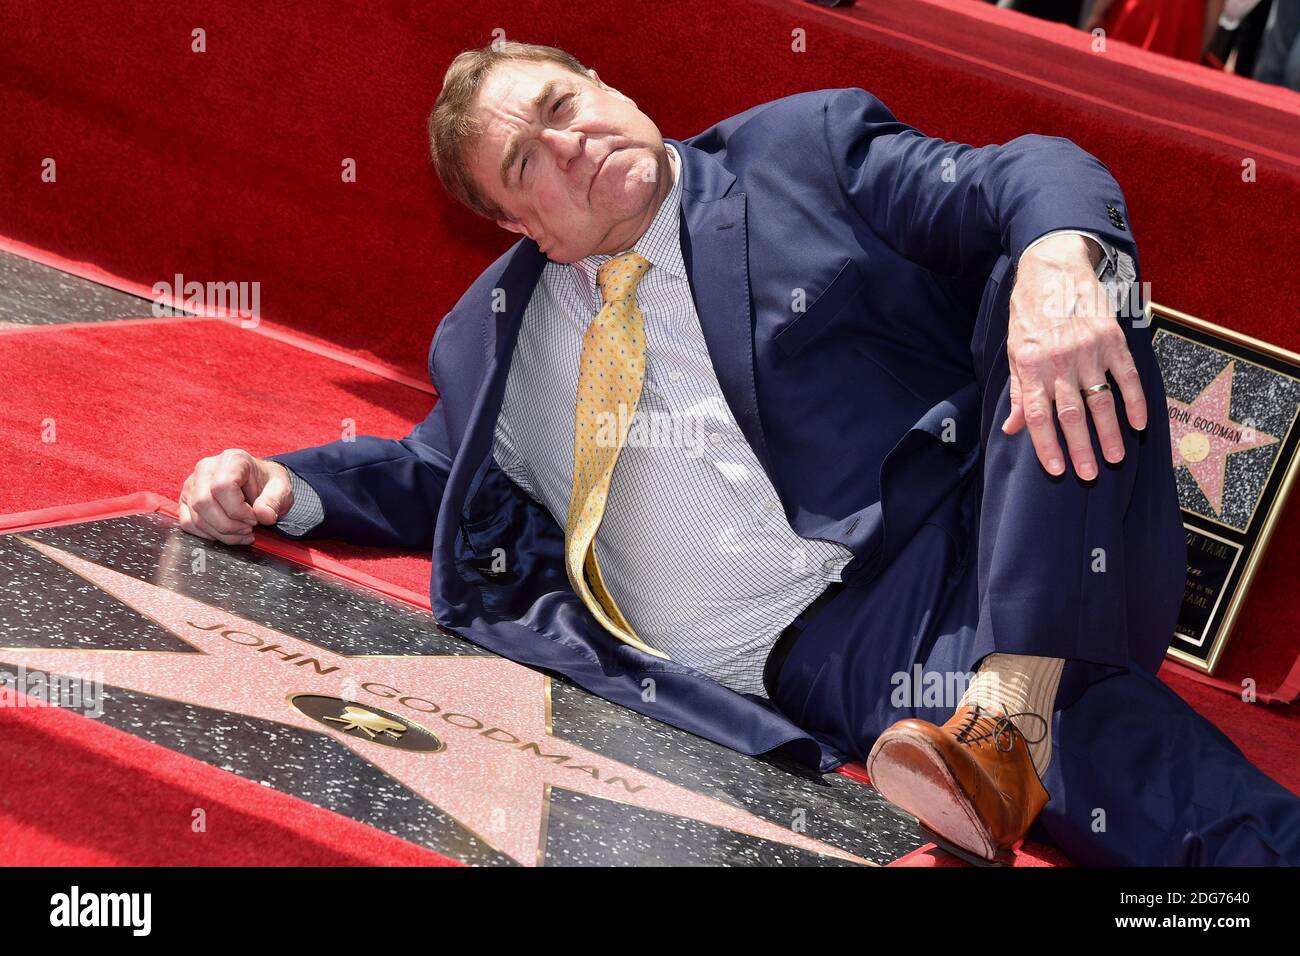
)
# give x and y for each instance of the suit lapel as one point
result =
(517, 283)
(518, 280)
(715, 249)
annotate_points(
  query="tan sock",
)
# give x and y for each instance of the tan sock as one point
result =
(1014, 684)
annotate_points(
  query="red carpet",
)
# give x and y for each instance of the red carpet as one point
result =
(144, 801)
(135, 407)
(223, 166)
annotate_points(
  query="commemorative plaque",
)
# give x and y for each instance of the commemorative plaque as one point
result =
(1233, 408)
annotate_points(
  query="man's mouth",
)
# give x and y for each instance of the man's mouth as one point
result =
(599, 167)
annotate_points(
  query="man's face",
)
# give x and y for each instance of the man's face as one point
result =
(586, 170)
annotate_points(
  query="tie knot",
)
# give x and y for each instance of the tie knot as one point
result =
(619, 276)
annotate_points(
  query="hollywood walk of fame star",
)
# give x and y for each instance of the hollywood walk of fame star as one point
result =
(500, 761)
(1202, 436)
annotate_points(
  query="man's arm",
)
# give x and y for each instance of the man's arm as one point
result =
(382, 492)
(1114, 268)
(305, 510)
(956, 209)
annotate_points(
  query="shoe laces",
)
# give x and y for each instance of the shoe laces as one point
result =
(998, 726)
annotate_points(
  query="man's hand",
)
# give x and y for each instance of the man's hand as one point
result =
(226, 495)
(1062, 338)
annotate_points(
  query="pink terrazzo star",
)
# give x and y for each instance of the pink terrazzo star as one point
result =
(500, 761)
(1202, 436)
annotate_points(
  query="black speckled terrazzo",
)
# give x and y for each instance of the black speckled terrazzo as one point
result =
(36, 294)
(605, 786)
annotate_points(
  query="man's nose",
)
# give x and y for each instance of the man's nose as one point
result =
(565, 144)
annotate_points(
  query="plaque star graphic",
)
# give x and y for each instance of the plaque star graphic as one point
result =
(1203, 435)
(499, 762)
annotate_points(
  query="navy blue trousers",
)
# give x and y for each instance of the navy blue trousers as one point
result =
(1019, 562)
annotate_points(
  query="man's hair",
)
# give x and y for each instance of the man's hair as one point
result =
(453, 130)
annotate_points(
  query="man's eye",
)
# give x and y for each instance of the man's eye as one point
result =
(555, 108)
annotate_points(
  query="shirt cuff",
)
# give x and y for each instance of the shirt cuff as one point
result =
(306, 512)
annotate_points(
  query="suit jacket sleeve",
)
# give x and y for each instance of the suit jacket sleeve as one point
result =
(382, 492)
(955, 208)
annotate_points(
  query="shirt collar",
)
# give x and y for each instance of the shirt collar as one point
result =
(661, 243)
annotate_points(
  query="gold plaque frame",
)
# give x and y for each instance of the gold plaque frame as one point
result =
(1276, 490)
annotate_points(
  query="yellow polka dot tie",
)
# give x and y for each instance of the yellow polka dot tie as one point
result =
(610, 374)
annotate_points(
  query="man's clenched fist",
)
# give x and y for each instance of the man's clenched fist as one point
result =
(226, 495)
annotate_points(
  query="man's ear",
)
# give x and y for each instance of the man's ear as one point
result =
(518, 227)
(595, 78)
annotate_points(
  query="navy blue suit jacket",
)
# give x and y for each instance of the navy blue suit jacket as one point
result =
(864, 407)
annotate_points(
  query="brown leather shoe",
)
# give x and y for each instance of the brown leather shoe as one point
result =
(970, 783)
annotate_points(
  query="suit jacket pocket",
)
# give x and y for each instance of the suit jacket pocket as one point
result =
(832, 300)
